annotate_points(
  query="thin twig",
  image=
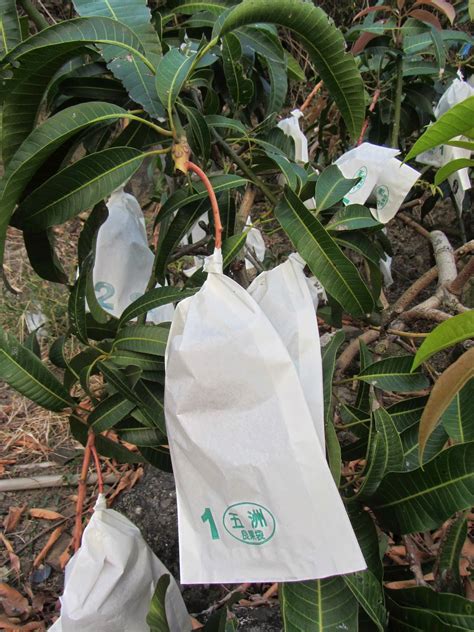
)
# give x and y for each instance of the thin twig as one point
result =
(311, 96)
(352, 350)
(411, 222)
(372, 105)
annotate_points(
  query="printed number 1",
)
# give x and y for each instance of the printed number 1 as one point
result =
(207, 517)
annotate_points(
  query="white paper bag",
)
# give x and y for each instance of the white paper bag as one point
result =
(123, 260)
(284, 296)
(394, 182)
(458, 91)
(256, 500)
(255, 244)
(110, 581)
(459, 181)
(291, 127)
(365, 162)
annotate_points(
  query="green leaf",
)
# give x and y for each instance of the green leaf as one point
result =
(153, 299)
(42, 256)
(455, 122)
(360, 243)
(367, 537)
(181, 198)
(24, 372)
(77, 188)
(408, 412)
(151, 396)
(181, 225)
(457, 418)
(89, 231)
(240, 87)
(156, 617)
(331, 187)
(118, 381)
(295, 72)
(35, 62)
(394, 374)
(446, 334)
(225, 122)
(434, 445)
(10, 32)
(40, 145)
(171, 74)
(404, 619)
(322, 605)
(352, 217)
(328, 355)
(143, 339)
(363, 390)
(325, 259)
(188, 7)
(136, 76)
(77, 308)
(200, 133)
(133, 13)
(106, 447)
(159, 457)
(451, 167)
(141, 437)
(394, 450)
(144, 361)
(56, 353)
(451, 609)
(268, 46)
(368, 591)
(324, 43)
(422, 499)
(109, 412)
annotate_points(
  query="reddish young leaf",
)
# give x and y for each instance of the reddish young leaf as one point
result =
(383, 7)
(362, 41)
(443, 6)
(427, 17)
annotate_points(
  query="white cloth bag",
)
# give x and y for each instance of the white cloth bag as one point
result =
(285, 298)
(256, 499)
(123, 260)
(111, 579)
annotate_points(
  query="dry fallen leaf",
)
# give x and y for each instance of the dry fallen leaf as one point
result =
(44, 551)
(13, 518)
(13, 602)
(45, 514)
(14, 559)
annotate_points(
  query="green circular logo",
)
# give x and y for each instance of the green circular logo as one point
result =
(249, 523)
(362, 174)
(383, 195)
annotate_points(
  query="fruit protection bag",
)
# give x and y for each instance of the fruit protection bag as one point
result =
(110, 581)
(123, 260)
(256, 499)
(285, 297)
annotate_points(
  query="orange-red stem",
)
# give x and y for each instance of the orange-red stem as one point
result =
(212, 196)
